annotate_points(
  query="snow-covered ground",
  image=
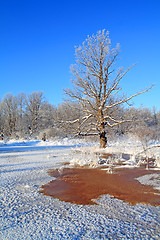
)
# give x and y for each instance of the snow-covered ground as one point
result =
(127, 150)
(27, 214)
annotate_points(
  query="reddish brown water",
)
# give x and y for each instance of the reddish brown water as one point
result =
(81, 185)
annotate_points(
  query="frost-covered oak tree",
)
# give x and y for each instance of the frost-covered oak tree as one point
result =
(96, 85)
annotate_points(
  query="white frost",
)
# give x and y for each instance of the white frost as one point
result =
(27, 214)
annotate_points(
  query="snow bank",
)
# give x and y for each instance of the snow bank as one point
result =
(127, 150)
(53, 142)
(84, 156)
(64, 142)
(21, 142)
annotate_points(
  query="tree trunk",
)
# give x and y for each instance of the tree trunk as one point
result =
(103, 140)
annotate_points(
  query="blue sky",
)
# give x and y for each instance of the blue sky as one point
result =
(37, 40)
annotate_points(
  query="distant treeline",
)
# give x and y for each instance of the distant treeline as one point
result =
(24, 116)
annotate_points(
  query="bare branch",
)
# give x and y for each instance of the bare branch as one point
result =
(129, 98)
(97, 85)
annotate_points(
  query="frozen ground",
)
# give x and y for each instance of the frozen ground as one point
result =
(27, 214)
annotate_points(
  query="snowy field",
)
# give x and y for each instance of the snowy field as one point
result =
(27, 214)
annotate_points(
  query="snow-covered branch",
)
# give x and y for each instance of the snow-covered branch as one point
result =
(127, 99)
(96, 84)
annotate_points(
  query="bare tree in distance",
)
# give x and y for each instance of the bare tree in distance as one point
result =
(96, 84)
(9, 106)
(34, 104)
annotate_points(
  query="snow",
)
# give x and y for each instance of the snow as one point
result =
(127, 150)
(27, 214)
(151, 179)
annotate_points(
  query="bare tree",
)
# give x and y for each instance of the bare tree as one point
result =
(2, 118)
(10, 112)
(47, 112)
(96, 84)
(34, 103)
(148, 136)
(66, 115)
(21, 99)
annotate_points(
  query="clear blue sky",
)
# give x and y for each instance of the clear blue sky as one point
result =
(37, 40)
